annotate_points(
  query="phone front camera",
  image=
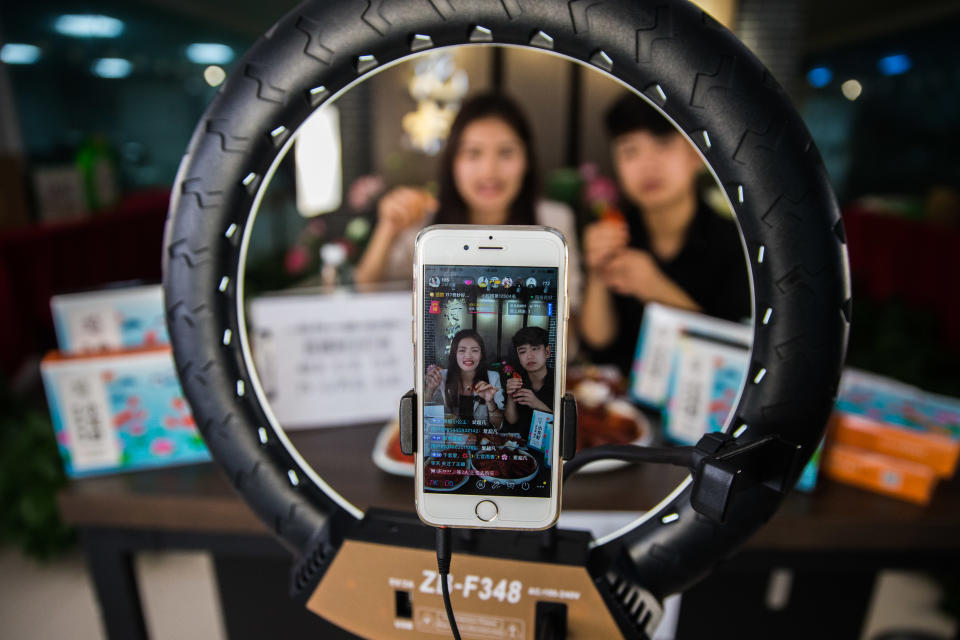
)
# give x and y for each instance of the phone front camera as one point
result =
(466, 247)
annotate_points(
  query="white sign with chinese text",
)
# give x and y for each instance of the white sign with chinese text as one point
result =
(333, 359)
(88, 422)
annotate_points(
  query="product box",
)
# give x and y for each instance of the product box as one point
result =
(706, 378)
(891, 418)
(705, 381)
(119, 412)
(884, 474)
(541, 433)
(657, 343)
(126, 318)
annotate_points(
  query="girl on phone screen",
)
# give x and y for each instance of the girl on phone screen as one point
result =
(466, 388)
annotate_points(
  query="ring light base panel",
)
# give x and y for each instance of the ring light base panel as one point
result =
(383, 583)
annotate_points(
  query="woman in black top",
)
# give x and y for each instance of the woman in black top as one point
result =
(670, 247)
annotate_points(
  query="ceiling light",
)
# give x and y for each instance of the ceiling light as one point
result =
(214, 75)
(819, 77)
(17, 53)
(88, 26)
(112, 68)
(894, 65)
(209, 53)
(851, 89)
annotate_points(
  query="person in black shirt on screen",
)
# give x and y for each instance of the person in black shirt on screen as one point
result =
(669, 247)
(533, 390)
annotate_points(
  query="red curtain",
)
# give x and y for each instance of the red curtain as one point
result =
(39, 261)
(911, 260)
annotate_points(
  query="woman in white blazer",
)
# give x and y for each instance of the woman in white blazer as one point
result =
(467, 389)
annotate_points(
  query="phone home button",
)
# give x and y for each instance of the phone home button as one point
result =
(486, 510)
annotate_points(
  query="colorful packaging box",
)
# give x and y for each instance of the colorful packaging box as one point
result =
(125, 318)
(541, 433)
(706, 378)
(884, 474)
(705, 382)
(891, 418)
(119, 412)
(657, 343)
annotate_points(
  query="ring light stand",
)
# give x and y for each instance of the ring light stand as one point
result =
(387, 560)
(718, 95)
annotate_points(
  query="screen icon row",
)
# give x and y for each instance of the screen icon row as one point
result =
(492, 282)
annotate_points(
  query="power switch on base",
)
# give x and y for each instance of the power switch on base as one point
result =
(550, 621)
(404, 606)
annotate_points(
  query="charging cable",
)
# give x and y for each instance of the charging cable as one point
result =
(444, 553)
(678, 456)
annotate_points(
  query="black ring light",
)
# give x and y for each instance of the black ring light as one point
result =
(671, 53)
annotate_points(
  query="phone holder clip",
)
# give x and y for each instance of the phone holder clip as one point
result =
(722, 467)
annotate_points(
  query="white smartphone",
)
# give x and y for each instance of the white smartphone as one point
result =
(490, 334)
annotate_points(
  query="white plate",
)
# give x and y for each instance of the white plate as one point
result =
(385, 462)
(624, 408)
(401, 468)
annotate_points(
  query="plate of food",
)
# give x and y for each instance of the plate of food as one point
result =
(615, 422)
(387, 454)
(605, 416)
(504, 464)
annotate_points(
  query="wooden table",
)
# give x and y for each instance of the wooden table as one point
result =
(839, 533)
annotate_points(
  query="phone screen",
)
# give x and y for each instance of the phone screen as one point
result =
(489, 352)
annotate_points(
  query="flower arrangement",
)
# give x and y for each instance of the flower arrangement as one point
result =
(316, 250)
(600, 194)
(324, 249)
(506, 370)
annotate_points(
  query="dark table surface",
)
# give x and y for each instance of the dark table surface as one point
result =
(198, 498)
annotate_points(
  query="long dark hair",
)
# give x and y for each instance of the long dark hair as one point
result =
(452, 390)
(453, 209)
